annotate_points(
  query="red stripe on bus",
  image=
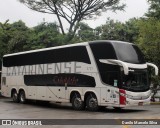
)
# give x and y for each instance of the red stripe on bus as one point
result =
(122, 98)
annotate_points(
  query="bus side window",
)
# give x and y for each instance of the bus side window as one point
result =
(3, 80)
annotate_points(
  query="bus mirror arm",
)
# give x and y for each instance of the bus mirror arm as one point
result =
(155, 67)
(116, 62)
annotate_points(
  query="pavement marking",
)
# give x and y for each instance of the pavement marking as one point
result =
(126, 126)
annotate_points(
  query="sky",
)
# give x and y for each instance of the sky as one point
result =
(14, 11)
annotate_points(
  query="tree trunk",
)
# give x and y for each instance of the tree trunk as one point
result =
(58, 17)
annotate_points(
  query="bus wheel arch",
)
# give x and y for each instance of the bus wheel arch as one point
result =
(76, 100)
(14, 95)
(22, 96)
(91, 101)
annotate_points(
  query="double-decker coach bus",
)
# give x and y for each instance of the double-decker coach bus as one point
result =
(90, 74)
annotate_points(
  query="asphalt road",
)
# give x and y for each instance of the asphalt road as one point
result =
(33, 110)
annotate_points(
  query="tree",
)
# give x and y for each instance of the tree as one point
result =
(154, 9)
(19, 33)
(5, 36)
(112, 30)
(73, 11)
(44, 35)
(149, 42)
(115, 30)
(17, 37)
(131, 30)
(85, 32)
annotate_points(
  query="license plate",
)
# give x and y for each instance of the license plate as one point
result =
(140, 103)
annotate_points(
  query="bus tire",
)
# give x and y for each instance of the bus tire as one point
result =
(15, 97)
(92, 103)
(22, 97)
(77, 102)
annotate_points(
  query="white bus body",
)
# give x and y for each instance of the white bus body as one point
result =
(92, 74)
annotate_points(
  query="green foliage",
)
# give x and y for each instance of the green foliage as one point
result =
(131, 30)
(18, 37)
(149, 40)
(44, 35)
(85, 33)
(19, 34)
(114, 30)
(5, 36)
(13, 37)
(154, 9)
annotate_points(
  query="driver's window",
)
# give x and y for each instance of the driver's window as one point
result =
(112, 78)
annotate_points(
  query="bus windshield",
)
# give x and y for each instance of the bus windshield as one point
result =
(136, 81)
(129, 53)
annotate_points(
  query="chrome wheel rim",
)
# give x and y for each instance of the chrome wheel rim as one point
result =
(93, 103)
(22, 98)
(77, 102)
(15, 96)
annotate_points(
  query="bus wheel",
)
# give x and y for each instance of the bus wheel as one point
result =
(15, 97)
(22, 97)
(77, 102)
(92, 103)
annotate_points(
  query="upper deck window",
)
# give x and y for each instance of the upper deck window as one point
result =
(129, 53)
(123, 51)
(103, 50)
(68, 54)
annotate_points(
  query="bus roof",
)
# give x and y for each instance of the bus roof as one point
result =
(110, 41)
(64, 46)
(46, 49)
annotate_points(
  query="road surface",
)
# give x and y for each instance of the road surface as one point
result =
(33, 110)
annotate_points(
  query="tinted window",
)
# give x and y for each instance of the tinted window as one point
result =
(109, 73)
(114, 50)
(112, 78)
(129, 53)
(136, 81)
(72, 80)
(76, 53)
(105, 50)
